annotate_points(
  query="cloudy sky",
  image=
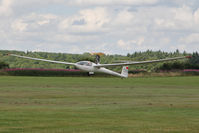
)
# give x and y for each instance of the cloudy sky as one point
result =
(109, 26)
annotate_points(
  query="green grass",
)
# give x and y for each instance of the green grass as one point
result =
(99, 105)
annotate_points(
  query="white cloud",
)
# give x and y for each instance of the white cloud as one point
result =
(196, 16)
(88, 20)
(19, 25)
(122, 44)
(5, 7)
(113, 26)
(33, 22)
(67, 38)
(84, 3)
(123, 18)
(193, 38)
(130, 44)
(182, 18)
(110, 2)
(37, 3)
(140, 41)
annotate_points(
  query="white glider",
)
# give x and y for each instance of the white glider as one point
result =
(91, 67)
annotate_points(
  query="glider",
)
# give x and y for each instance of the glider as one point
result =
(92, 67)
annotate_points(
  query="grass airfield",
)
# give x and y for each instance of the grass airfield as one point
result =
(99, 105)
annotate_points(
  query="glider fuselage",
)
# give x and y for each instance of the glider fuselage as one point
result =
(88, 66)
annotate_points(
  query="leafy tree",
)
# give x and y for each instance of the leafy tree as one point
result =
(194, 59)
(15, 62)
(3, 65)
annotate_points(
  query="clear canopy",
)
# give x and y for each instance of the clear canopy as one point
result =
(85, 63)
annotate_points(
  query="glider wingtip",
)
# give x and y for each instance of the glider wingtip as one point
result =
(188, 57)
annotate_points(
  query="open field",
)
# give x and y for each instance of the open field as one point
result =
(99, 105)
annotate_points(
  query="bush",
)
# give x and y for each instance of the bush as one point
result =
(3, 65)
(49, 72)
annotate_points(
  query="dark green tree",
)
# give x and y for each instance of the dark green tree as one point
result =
(3, 65)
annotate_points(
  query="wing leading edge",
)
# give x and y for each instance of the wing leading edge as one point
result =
(141, 62)
(59, 62)
(105, 65)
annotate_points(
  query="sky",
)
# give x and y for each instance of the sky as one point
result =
(108, 26)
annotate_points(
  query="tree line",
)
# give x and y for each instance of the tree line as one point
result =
(14, 62)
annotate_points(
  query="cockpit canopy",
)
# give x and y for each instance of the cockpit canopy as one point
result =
(85, 63)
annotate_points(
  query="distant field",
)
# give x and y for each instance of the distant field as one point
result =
(99, 105)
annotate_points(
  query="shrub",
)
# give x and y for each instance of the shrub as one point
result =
(48, 72)
(3, 65)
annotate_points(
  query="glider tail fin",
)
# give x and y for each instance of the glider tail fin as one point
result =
(125, 71)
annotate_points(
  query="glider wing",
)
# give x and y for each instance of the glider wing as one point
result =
(38, 59)
(141, 62)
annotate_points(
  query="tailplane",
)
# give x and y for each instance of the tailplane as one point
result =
(125, 71)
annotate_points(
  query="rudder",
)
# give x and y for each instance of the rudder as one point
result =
(125, 71)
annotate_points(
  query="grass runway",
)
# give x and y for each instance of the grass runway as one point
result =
(99, 105)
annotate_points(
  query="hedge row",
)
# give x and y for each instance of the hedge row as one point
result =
(75, 73)
(49, 72)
